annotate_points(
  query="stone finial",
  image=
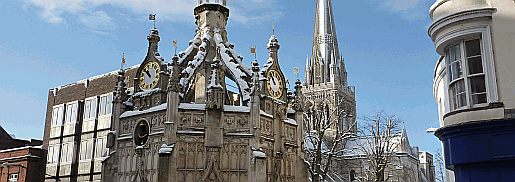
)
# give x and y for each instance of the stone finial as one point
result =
(297, 104)
(273, 43)
(255, 66)
(173, 83)
(120, 94)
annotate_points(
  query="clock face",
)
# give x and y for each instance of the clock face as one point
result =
(141, 133)
(275, 84)
(149, 76)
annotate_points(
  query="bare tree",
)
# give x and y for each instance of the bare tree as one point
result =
(439, 166)
(380, 135)
(325, 135)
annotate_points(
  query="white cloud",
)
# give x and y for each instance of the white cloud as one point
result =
(408, 9)
(98, 21)
(401, 5)
(53, 11)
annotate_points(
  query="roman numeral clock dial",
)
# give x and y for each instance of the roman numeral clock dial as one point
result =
(149, 76)
(275, 84)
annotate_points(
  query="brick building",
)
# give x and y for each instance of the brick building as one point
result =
(78, 119)
(19, 158)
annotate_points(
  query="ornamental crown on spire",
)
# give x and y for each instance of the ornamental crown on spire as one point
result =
(222, 2)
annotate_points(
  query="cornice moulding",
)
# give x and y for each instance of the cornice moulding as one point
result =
(482, 12)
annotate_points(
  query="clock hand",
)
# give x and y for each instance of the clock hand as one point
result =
(273, 79)
(148, 74)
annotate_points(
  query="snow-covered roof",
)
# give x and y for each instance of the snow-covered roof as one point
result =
(236, 108)
(266, 114)
(354, 146)
(258, 154)
(165, 149)
(134, 113)
(85, 81)
(290, 121)
(189, 106)
(147, 92)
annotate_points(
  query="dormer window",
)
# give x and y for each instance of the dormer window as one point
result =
(467, 87)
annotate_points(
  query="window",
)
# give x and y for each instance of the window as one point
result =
(90, 108)
(13, 178)
(86, 148)
(57, 115)
(67, 153)
(352, 176)
(101, 150)
(53, 154)
(467, 86)
(106, 105)
(71, 113)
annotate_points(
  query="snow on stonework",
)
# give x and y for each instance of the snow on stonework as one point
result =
(193, 57)
(221, 2)
(271, 42)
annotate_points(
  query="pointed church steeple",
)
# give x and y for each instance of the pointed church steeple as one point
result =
(325, 65)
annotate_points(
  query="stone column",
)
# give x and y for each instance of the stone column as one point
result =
(301, 168)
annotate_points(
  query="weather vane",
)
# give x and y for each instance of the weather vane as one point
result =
(296, 71)
(253, 51)
(273, 28)
(153, 18)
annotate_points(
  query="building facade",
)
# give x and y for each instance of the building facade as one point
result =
(326, 83)
(426, 165)
(78, 119)
(325, 74)
(177, 120)
(21, 160)
(406, 162)
(474, 88)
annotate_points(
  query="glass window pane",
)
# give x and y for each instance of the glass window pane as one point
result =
(64, 152)
(54, 116)
(87, 109)
(477, 84)
(93, 108)
(475, 65)
(102, 106)
(456, 53)
(473, 48)
(462, 100)
(479, 98)
(478, 88)
(109, 106)
(60, 115)
(456, 71)
(457, 93)
(460, 86)
(68, 115)
(90, 148)
(74, 113)
(49, 156)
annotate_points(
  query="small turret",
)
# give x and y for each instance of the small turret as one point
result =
(273, 47)
(153, 39)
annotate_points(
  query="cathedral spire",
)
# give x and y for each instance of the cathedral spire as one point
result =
(325, 63)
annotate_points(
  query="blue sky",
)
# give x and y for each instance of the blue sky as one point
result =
(47, 43)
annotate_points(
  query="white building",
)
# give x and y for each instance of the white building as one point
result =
(474, 88)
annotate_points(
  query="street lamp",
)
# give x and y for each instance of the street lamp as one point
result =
(431, 130)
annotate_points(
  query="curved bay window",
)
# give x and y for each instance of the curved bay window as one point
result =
(467, 86)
